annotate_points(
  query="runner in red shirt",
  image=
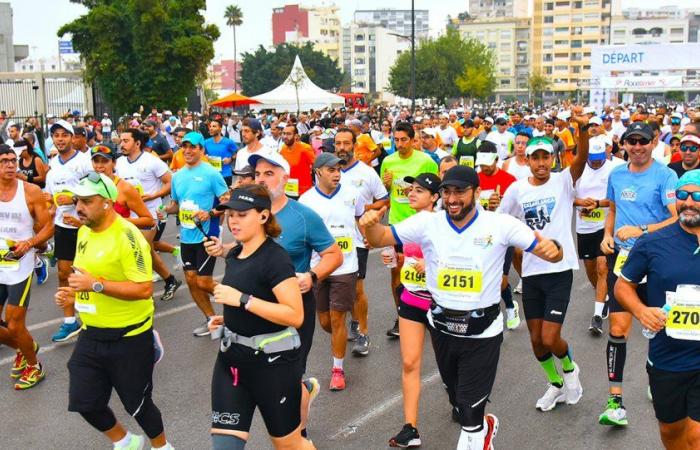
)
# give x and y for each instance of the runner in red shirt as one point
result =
(300, 157)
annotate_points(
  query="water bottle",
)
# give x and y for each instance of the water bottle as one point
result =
(390, 253)
(650, 334)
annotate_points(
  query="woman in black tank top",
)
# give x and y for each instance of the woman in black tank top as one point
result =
(31, 168)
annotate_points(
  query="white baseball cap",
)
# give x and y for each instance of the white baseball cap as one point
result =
(270, 156)
(62, 124)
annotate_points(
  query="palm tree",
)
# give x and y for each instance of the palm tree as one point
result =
(234, 18)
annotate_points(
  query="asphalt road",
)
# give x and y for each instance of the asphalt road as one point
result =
(366, 414)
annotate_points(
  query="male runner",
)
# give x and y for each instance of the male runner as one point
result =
(152, 179)
(338, 206)
(642, 201)
(464, 250)
(67, 168)
(545, 202)
(220, 151)
(111, 287)
(465, 148)
(194, 189)
(373, 195)
(23, 209)
(300, 157)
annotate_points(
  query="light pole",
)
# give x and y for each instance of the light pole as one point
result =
(413, 57)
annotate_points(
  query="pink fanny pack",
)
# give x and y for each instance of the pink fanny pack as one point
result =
(411, 299)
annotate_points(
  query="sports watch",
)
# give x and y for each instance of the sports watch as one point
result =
(98, 287)
(644, 228)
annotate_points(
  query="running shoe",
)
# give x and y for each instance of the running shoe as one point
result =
(572, 386)
(176, 251)
(314, 387)
(407, 438)
(201, 331)
(136, 442)
(169, 292)
(513, 317)
(31, 376)
(49, 253)
(354, 330)
(606, 308)
(649, 396)
(21, 363)
(492, 422)
(519, 288)
(393, 331)
(596, 327)
(614, 414)
(158, 350)
(66, 331)
(337, 379)
(41, 269)
(550, 398)
(361, 346)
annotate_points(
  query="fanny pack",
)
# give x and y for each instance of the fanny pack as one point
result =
(281, 341)
(111, 334)
(462, 323)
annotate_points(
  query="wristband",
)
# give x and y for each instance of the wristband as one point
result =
(597, 203)
(314, 277)
(243, 301)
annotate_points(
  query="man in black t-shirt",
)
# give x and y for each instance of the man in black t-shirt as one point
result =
(690, 144)
(157, 143)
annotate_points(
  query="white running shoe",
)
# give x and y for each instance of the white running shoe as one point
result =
(550, 398)
(572, 386)
(519, 288)
(513, 317)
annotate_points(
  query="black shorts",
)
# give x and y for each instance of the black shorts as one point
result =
(589, 244)
(308, 326)
(229, 181)
(160, 229)
(65, 240)
(547, 296)
(508, 260)
(362, 255)
(95, 367)
(613, 305)
(237, 391)
(467, 366)
(676, 394)
(412, 313)
(16, 294)
(194, 258)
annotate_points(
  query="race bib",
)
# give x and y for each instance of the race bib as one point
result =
(460, 278)
(215, 162)
(292, 187)
(466, 161)
(410, 278)
(8, 263)
(345, 244)
(188, 209)
(400, 190)
(82, 303)
(684, 317)
(594, 216)
(620, 261)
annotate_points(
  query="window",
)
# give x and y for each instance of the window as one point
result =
(561, 55)
(549, 19)
(522, 46)
(576, 44)
(359, 72)
(505, 34)
(676, 30)
(360, 84)
(561, 68)
(561, 42)
(560, 4)
(592, 16)
(591, 30)
(359, 37)
(547, 45)
(359, 49)
(505, 71)
(359, 61)
(480, 35)
(561, 30)
(619, 33)
(505, 59)
(522, 59)
(576, 56)
(549, 6)
(578, 5)
(576, 30)
(505, 46)
(577, 18)
(505, 82)
(492, 45)
(547, 70)
(592, 41)
(576, 69)
(547, 32)
(547, 57)
(591, 3)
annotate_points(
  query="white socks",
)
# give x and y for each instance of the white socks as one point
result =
(124, 441)
(472, 440)
(599, 309)
(70, 320)
(337, 363)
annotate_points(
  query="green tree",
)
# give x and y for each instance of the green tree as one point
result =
(675, 96)
(264, 70)
(444, 68)
(234, 18)
(143, 52)
(538, 83)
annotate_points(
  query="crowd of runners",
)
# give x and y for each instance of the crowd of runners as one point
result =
(454, 199)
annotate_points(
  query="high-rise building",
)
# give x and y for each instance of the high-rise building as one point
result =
(9, 53)
(563, 32)
(395, 20)
(668, 24)
(319, 25)
(509, 38)
(497, 8)
(368, 53)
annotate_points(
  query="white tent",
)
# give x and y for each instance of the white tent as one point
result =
(297, 93)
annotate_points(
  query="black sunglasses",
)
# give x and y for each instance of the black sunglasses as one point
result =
(689, 148)
(683, 195)
(635, 141)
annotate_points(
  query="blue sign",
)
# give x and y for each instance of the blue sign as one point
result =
(623, 58)
(65, 47)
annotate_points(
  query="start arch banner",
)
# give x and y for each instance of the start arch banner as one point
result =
(636, 58)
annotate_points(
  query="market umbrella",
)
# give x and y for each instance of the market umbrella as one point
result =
(233, 100)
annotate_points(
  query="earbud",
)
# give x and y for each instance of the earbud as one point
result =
(105, 206)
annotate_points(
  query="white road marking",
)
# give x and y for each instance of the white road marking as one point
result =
(379, 409)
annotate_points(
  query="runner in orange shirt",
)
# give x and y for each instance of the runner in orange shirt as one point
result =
(301, 158)
(365, 148)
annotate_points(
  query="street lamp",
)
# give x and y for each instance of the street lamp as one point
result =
(411, 38)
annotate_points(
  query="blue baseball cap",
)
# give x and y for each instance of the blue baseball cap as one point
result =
(193, 138)
(690, 177)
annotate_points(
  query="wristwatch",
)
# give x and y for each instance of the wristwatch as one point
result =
(644, 228)
(245, 298)
(98, 287)
(314, 277)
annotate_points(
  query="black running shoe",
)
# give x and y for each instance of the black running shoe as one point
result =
(393, 331)
(170, 289)
(596, 327)
(407, 438)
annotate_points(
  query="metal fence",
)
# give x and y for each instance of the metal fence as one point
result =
(38, 94)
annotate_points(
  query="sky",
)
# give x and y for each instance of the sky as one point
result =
(39, 31)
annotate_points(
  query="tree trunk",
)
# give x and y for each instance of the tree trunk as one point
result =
(235, 65)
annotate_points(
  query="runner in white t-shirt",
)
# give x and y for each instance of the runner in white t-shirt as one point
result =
(338, 206)
(251, 139)
(373, 195)
(464, 250)
(151, 177)
(503, 139)
(545, 203)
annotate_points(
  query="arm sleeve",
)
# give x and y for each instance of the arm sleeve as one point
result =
(637, 265)
(379, 191)
(516, 233)
(136, 257)
(159, 167)
(412, 229)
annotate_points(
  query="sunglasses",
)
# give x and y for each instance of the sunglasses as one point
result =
(101, 149)
(689, 148)
(94, 178)
(675, 122)
(635, 141)
(683, 195)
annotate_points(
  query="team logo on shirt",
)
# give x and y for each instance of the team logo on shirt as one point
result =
(629, 194)
(484, 242)
(538, 212)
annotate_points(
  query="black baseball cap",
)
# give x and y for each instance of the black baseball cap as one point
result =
(243, 199)
(501, 121)
(102, 150)
(638, 129)
(468, 123)
(328, 145)
(79, 131)
(460, 176)
(430, 181)
(246, 171)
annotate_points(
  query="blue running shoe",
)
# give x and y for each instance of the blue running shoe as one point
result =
(66, 331)
(41, 270)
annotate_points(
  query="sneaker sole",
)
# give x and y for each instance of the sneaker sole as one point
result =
(595, 331)
(70, 335)
(560, 399)
(512, 327)
(315, 390)
(167, 298)
(413, 443)
(19, 387)
(201, 334)
(570, 402)
(605, 420)
(495, 431)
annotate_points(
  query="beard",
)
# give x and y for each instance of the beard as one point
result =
(690, 222)
(464, 212)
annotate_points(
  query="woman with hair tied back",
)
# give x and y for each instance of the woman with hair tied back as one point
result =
(256, 366)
